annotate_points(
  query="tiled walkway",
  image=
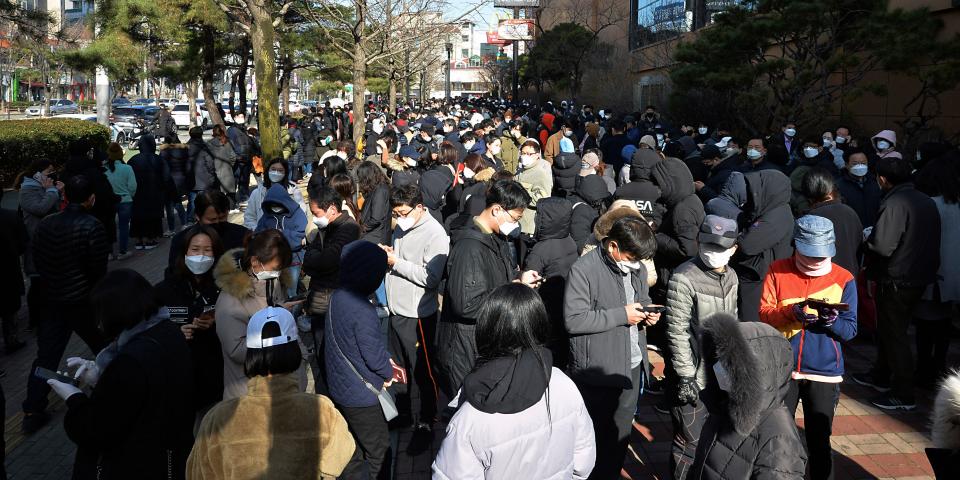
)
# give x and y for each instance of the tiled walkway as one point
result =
(867, 442)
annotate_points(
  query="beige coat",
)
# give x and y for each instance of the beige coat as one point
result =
(271, 432)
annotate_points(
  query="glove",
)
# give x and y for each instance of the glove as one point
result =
(687, 391)
(827, 316)
(64, 390)
(87, 370)
(805, 319)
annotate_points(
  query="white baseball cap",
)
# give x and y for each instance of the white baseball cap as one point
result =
(282, 317)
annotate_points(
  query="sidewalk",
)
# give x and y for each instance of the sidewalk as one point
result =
(868, 443)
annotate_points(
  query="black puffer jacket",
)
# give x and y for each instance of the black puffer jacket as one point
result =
(566, 169)
(70, 254)
(322, 258)
(375, 216)
(177, 158)
(589, 201)
(749, 433)
(478, 263)
(767, 226)
(677, 235)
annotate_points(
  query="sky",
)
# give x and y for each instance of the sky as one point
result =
(485, 16)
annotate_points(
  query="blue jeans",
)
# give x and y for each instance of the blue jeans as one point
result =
(191, 197)
(124, 211)
(307, 168)
(171, 220)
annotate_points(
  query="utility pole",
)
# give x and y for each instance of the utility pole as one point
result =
(449, 57)
(516, 50)
(102, 89)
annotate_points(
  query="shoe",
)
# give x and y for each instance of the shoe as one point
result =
(655, 387)
(140, 246)
(124, 255)
(150, 246)
(14, 345)
(421, 440)
(892, 402)
(868, 380)
(34, 421)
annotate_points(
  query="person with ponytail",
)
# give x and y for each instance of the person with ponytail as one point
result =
(124, 183)
(515, 401)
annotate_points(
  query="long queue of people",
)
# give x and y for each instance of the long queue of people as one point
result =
(501, 269)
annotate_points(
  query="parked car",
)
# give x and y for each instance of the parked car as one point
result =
(169, 102)
(116, 133)
(120, 102)
(58, 106)
(181, 115)
(133, 120)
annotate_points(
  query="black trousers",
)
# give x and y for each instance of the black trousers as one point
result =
(3, 443)
(320, 363)
(242, 172)
(748, 299)
(819, 403)
(369, 430)
(687, 423)
(53, 334)
(895, 306)
(611, 409)
(412, 345)
(933, 341)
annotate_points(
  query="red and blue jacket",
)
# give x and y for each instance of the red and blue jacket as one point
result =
(816, 348)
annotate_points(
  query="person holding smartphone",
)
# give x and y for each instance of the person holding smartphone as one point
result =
(604, 313)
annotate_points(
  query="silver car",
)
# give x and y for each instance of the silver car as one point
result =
(58, 106)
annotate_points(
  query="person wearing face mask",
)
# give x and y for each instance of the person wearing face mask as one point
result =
(276, 174)
(698, 289)
(404, 168)
(249, 281)
(844, 139)
(859, 188)
(884, 144)
(756, 157)
(832, 146)
(212, 209)
(719, 171)
(70, 257)
(815, 331)
(510, 142)
(416, 257)
(604, 301)
(811, 157)
(566, 169)
(535, 176)
(190, 295)
(903, 257)
(821, 193)
(552, 148)
(702, 134)
(494, 149)
(480, 260)
(786, 149)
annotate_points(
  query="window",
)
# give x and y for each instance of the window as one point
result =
(465, 38)
(658, 20)
(465, 53)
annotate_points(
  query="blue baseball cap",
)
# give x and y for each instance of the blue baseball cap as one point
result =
(409, 151)
(814, 237)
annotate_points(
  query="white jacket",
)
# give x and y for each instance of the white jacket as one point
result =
(527, 445)
(251, 216)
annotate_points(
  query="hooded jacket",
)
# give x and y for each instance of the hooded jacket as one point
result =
(766, 227)
(353, 329)
(587, 205)
(245, 437)
(322, 257)
(479, 262)
(434, 185)
(241, 295)
(566, 170)
(717, 177)
(282, 212)
(537, 179)
(944, 455)
(749, 433)
(510, 151)
(554, 253)
(251, 216)
(888, 135)
(677, 232)
(551, 438)
(595, 319)
(153, 176)
(36, 203)
(401, 174)
(601, 228)
(375, 215)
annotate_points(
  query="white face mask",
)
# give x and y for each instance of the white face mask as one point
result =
(859, 170)
(702, 130)
(753, 153)
(275, 176)
(321, 222)
(528, 160)
(627, 266)
(494, 150)
(510, 228)
(810, 152)
(715, 256)
(723, 378)
(827, 143)
(883, 145)
(410, 162)
(790, 132)
(568, 133)
(198, 264)
(467, 173)
(406, 223)
(267, 274)
(841, 140)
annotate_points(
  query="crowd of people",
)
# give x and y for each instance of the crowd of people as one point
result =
(501, 270)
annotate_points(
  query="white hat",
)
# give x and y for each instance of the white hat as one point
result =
(723, 142)
(282, 317)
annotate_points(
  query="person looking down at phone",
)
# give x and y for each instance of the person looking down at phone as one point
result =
(137, 420)
(190, 295)
(813, 303)
(604, 307)
(249, 280)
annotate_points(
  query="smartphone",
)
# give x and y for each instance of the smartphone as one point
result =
(817, 303)
(399, 373)
(47, 374)
(654, 309)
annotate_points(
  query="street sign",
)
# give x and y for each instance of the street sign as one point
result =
(516, 3)
(515, 29)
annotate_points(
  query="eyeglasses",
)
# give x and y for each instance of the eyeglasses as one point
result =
(401, 215)
(514, 219)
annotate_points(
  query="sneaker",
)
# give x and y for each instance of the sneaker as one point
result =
(34, 421)
(124, 255)
(150, 246)
(868, 380)
(892, 402)
(421, 440)
(140, 246)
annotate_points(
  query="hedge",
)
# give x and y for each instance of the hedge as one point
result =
(22, 141)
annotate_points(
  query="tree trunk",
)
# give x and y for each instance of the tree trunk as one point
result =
(207, 74)
(231, 99)
(192, 102)
(392, 90)
(284, 89)
(359, 86)
(265, 69)
(242, 77)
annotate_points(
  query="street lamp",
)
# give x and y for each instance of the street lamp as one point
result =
(449, 59)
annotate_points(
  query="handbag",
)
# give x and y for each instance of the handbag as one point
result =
(387, 404)
(318, 301)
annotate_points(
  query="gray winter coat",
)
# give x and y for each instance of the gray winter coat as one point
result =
(36, 203)
(213, 163)
(695, 292)
(597, 322)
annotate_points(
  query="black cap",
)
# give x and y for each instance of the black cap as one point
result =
(710, 152)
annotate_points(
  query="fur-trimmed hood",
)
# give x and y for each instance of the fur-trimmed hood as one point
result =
(485, 175)
(603, 225)
(945, 418)
(758, 361)
(233, 280)
(396, 164)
